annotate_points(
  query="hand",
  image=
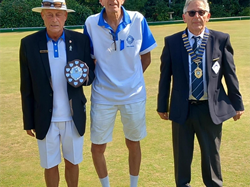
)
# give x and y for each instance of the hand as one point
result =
(31, 132)
(163, 115)
(238, 115)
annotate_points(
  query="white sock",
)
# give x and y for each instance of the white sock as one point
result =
(105, 182)
(133, 181)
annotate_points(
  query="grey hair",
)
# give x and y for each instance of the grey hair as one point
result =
(189, 1)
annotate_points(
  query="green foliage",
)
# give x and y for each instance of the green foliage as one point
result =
(157, 10)
(232, 7)
(136, 6)
(217, 10)
(81, 14)
(245, 12)
(93, 5)
(244, 3)
(19, 155)
(95, 8)
(177, 8)
(18, 13)
(228, 8)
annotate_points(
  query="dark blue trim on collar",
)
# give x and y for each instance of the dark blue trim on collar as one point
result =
(126, 17)
(61, 37)
(125, 20)
(55, 43)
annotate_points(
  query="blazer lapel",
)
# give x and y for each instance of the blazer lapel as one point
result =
(69, 45)
(185, 59)
(185, 63)
(209, 55)
(43, 49)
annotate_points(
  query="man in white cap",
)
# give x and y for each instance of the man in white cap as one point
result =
(53, 109)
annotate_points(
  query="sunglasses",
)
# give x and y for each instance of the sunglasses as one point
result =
(55, 4)
(192, 13)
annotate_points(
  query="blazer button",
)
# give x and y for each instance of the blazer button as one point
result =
(50, 110)
(50, 94)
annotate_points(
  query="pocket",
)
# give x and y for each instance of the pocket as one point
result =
(216, 67)
(222, 104)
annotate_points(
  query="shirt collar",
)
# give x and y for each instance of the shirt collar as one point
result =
(126, 18)
(190, 35)
(61, 37)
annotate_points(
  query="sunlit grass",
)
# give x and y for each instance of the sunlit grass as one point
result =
(19, 158)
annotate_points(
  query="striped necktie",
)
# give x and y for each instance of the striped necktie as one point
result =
(195, 43)
(197, 83)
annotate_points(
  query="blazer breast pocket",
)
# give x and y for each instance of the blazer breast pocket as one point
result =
(222, 104)
(216, 67)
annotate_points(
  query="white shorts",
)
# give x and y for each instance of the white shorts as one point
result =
(72, 145)
(103, 120)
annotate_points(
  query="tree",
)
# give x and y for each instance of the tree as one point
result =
(155, 10)
(18, 13)
(244, 3)
(136, 5)
(93, 5)
(81, 14)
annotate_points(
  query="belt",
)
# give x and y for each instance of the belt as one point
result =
(197, 102)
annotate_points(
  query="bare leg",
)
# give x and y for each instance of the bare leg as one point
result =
(99, 159)
(52, 177)
(71, 173)
(134, 157)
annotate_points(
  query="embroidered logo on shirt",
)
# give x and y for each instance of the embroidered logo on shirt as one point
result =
(130, 40)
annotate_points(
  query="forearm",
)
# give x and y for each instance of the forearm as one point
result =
(145, 61)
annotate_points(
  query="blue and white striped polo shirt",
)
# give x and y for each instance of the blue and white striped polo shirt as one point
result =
(119, 75)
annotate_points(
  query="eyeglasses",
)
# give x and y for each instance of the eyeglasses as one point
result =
(192, 13)
(55, 4)
(113, 38)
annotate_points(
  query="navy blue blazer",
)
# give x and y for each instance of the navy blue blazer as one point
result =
(36, 90)
(175, 68)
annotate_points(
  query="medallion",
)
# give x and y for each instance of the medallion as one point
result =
(196, 56)
(198, 72)
(76, 72)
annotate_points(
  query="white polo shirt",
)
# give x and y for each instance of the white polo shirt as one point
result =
(57, 62)
(119, 74)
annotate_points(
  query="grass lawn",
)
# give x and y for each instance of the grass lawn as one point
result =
(19, 157)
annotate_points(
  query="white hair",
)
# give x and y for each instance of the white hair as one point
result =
(189, 1)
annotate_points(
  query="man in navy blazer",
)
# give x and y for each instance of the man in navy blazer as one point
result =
(195, 60)
(53, 110)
